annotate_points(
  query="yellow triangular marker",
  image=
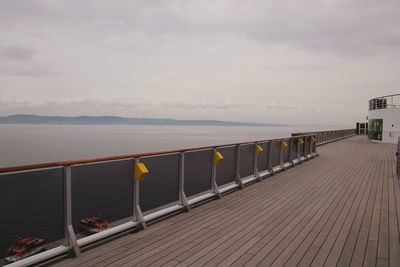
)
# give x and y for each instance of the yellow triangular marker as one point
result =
(284, 145)
(217, 157)
(259, 149)
(140, 171)
(301, 141)
(312, 139)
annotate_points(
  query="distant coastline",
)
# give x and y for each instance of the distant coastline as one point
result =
(115, 120)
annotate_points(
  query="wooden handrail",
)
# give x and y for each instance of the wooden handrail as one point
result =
(129, 156)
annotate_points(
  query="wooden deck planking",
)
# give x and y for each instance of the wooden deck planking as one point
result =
(311, 245)
(339, 209)
(304, 233)
(264, 255)
(275, 229)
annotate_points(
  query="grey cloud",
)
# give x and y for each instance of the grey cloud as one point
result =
(16, 53)
(20, 61)
(27, 72)
(361, 27)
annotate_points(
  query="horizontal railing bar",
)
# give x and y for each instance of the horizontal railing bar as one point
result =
(160, 213)
(298, 134)
(385, 96)
(106, 233)
(228, 188)
(201, 198)
(160, 155)
(139, 155)
(54, 252)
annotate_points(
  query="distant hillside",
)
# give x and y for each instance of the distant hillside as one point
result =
(113, 120)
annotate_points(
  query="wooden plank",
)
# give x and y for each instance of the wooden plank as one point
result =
(383, 240)
(362, 214)
(373, 235)
(239, 252)
(242, 260)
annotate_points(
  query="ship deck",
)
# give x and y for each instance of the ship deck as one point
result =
(339, 209)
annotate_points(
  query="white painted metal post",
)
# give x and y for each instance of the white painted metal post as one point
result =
(270, 151)
(310, 150)
(214, 176)
(281, 155)
(255, 167)
(237, 167)
(182, 195)
(69, 230)
(290, 152)
(137, 211)
(305, 151)
(298, 152)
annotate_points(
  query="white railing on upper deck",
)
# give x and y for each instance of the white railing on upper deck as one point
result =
(385, 102)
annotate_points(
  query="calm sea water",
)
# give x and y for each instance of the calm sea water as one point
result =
(30, 144)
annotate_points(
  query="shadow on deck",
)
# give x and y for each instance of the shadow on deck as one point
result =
(339, 209)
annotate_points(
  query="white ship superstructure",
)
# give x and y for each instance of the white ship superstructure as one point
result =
(384, 119)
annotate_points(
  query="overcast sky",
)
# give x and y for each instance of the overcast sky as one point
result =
(293, 61)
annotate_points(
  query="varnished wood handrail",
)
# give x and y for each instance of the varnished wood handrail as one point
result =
(129, 156)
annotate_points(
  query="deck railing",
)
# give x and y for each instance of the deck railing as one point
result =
(385, 102)
(324, 137)
(48, 201)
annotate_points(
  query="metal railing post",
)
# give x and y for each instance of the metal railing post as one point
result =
(316, 146)
(69, 230)
(182, 195)
(270, 150)
(255, 167)
(237, 167)
(298, 152)
(290, 147)
(214, 176)
(281, 155)
(137, 211)
(305, 151)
